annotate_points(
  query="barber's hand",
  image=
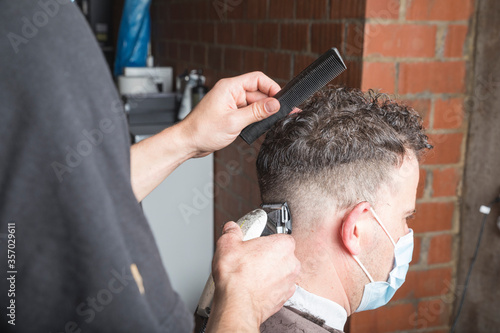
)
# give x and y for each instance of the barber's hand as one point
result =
(227, 109)
(253, 279)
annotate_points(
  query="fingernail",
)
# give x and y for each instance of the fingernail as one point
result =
(272, 106)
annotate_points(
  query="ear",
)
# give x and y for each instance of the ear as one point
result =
(354, 226)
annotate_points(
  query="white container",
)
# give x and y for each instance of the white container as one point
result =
(136, 85)
(162, 76)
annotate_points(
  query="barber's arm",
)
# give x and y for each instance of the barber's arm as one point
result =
(215, 123)
(253, 279)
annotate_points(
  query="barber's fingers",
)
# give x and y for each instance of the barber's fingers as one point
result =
(231, 233)
(257, 81)
(232, 228)
(254, 96)
(256, 112)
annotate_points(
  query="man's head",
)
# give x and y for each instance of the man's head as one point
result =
(342, 155)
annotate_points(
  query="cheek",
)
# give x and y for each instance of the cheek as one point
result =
(385, 262)
(381, 258)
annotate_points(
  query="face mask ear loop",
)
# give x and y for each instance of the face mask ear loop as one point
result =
(363, 268)
(379, 222)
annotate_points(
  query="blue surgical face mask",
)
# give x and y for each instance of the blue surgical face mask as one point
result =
(379, 293)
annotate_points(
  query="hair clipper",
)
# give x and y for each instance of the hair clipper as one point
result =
(271, 219)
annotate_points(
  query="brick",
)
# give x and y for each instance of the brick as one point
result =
(200, 12)
(236, 11)
(325, 36)
(311, 9)
(294, 36)
(214, 10)
(442, 10)
(435, 77)
(193, 31)
(185, 51)
(423, 107)
(417, 247)
(158, 31)
(341, 9)
(257, 10)
(177, 31)
(445, 182)
(224, 33)
(379, 75)
(400, 40)
(173, 50)
(160, 50)
(355, 40)
(355, 74)
(254, 61)
(212, 76)
(432, 282)
(214, 57)
(427, 283)
(207, 32)
(280, 9)
(440, 249)
(448, 113)
(432, 313)
(199, 54)
(421, 183)
(384, 9)
(433, 216)
(179, 11)
(167, 31)
(233, 60)
(385, 319)
(267, 35)
(157, 12)
(279, 66)
(455, 40)
(244, 34)
(447, 149)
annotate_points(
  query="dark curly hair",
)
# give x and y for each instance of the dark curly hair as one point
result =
(343, 145)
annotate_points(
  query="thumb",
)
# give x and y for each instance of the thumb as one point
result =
(259, 110)
(232, 228)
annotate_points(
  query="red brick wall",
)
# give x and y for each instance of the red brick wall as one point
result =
(418, 50)
(278, 37)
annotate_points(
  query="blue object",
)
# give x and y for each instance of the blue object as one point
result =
(134, 35)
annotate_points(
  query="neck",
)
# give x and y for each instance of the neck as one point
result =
(323, 268)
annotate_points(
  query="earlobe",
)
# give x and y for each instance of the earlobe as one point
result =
(353, 227)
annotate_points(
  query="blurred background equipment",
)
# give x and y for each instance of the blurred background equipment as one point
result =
(99, 15)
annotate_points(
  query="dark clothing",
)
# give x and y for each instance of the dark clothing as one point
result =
(65, 185)
(289, 320)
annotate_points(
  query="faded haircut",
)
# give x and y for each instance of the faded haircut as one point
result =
(338, 150)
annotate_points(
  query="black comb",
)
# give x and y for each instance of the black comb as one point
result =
(324, 69)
